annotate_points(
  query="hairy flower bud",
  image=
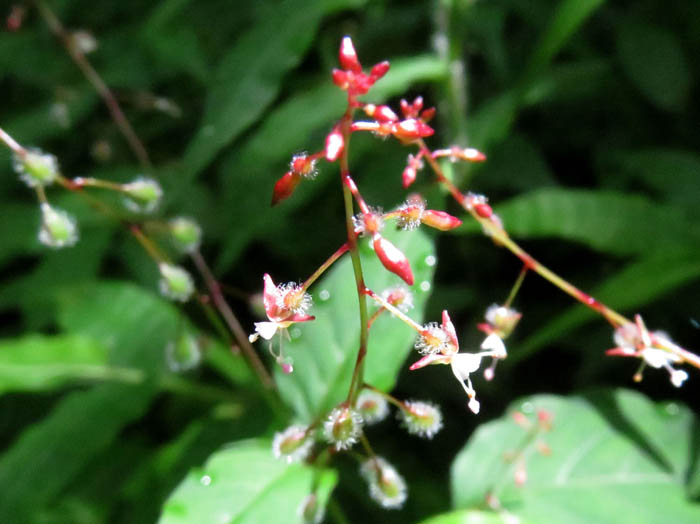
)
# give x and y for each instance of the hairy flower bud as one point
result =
(175, 283)
(372, 406)
(421, 418)
(386, 486)
(343, 427)
(143, 195)
(58, 229)
(186, 234)
(310, 511)
(35, 168)
(293, 444)
(183, 353)
(392, 258)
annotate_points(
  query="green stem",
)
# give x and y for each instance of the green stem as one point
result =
(358, 372)
(323, 267)
(516, 286)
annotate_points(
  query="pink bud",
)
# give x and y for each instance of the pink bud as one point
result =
(379, 70)
(440, 220)
(428, 114)
(408, 176)
(334, 145)
(483, 210)
(411, 129)
(285, 187)
(473, 155)
(392, 258)
(348, 56)
(340, 78)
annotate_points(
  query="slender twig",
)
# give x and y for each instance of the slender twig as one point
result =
(95, 79)
(231, 321)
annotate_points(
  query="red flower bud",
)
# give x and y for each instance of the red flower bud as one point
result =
(340, 78)
(411, 129)
(334, 145)
(348, 56)
(408, 176)
(285, 187)
(392, 258)
(483, 210)
(428, 114)
(381, 113)
(379, 70)
(440, 220)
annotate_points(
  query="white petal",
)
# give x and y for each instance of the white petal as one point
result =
(658, 358)
(678, 376)
(464, 363)
(474, 405)
(494, 343)
(266, 329)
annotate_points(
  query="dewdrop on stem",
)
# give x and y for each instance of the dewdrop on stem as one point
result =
(58, 229)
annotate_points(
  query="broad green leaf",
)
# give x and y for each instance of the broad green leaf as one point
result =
(612, 454)
(633, 287)
(653, 59)
(249, 77)
(324, 350)
(469, 516)
(244, 483)
(568, 18)
(674, 173)
(134, 326)
(250, 173)
(38, 363)
(611, 222)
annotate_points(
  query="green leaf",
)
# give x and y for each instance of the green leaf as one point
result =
(636, 285)
(615, 458)
(653, 60)
(249, 77)
(324, 350)
(569, 16)
(244, 483)
(134, 326)
(40, 363)
(472, 517)
(608, 221)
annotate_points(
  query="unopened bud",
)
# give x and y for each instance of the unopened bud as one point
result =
(386, 486)
(502, 319)
(483, 210)
(310, 511)
(184, 353)
(285, 186)
(334, 145)
(372, 406)
(143, 195)
(36, 168)
(343, 427)
(392, 258)
(58, 229)
(379, 70)
(82, 41)
(408, 176)
(440, 220)
(348, 57)
(520, 474)
(175, 283)
(421, 418)
(186, 234)
(411, 129)
(293, 444)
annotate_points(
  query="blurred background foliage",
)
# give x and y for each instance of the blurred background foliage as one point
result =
(588, 112)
